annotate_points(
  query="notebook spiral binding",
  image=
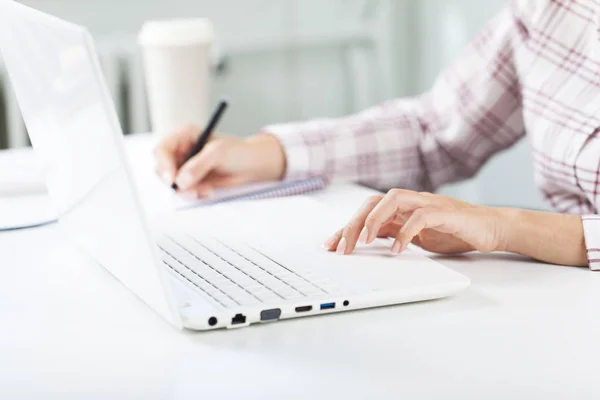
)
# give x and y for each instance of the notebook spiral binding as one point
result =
(293, 188)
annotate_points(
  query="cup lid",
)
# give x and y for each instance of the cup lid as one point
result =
(176, 32)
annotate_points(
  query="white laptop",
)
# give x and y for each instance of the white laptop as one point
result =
(224, 266)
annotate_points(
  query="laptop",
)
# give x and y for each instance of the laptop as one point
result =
(224, 266)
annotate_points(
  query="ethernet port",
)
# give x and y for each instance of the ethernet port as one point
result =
(238, 319)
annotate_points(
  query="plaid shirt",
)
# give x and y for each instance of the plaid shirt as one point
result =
(533, 71)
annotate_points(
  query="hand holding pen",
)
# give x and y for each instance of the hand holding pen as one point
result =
(195, 162)
(206, 134)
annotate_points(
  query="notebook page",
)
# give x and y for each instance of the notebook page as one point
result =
(220, 195)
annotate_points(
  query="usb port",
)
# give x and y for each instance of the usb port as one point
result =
(303, 308)
(327, 306)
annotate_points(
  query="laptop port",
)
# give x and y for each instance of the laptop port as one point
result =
(327, 306)
(238, 319)
(303, 308)
(270, 315)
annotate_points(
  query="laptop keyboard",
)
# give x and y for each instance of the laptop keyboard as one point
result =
(238, 275)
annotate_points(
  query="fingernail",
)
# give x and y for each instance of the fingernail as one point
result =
(185, 180)
(329, 242)
(341, 249)
(396, 247)
(364, 235)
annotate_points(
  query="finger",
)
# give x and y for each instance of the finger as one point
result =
(417, 241)
(201, 191)
(197, 168)
(396, 201)
(205, 189)
(166, 164)
(170, 152)
(332, 243)
(425, 218)
(391, 228)
(220, 181)
(355, 228)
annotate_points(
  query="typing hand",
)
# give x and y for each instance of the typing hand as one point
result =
(435, 223)
(224, 162)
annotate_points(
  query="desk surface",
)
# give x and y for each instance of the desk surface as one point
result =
(522, 330)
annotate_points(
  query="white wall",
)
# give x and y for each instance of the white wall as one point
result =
(290, 59)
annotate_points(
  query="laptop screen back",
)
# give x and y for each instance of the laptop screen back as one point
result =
(75, 132)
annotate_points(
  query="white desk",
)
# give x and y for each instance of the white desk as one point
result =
(522, 331)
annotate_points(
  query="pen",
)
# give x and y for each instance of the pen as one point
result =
(203, 139)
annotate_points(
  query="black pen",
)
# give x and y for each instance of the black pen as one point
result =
(203, 139)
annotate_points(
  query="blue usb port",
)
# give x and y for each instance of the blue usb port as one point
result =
(327, 306)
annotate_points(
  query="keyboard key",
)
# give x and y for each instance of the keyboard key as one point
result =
(247, 299)
(227, 300)
(266, 295)
(290, 293)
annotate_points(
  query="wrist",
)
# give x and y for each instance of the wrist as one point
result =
(549, 237)
(509, 230)
(268, 157)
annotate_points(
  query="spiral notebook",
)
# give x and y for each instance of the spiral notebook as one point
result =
(259, 191)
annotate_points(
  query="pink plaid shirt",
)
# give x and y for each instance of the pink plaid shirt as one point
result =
(533, 71)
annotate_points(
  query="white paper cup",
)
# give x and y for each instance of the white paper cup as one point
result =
(177, 67)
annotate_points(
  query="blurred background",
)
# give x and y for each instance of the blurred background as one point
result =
(284, 60)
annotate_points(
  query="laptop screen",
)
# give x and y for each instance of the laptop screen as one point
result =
(75, 132)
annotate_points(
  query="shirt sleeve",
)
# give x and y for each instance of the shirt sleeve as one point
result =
(473, 111)
(591, 233)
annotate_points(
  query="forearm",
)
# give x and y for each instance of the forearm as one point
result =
(378, 147)
(548, 237)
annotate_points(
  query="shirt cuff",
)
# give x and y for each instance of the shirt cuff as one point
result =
(591, 233)
(304, 147)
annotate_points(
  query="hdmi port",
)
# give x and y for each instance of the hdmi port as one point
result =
(303, 308)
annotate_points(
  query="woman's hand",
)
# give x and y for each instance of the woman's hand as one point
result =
(224, 161)
(435, 223)
(444, 225)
